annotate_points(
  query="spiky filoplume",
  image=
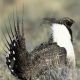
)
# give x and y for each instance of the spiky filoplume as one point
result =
(30, 66)
(18, 55)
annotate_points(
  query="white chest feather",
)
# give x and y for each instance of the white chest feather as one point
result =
(62, 36)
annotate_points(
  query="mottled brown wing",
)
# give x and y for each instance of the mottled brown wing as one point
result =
(43, 58)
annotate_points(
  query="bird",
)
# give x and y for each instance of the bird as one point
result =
(35, 64)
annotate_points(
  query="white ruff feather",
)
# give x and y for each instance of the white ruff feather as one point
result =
(62, 36)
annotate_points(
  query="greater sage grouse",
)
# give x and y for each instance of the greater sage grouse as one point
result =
(38, 64)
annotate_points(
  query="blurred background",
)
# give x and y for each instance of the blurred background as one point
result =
(34, 12)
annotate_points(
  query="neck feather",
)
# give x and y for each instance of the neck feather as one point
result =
(62, 36)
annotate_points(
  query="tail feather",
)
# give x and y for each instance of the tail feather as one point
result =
(15, 30)
(18, 27)
(5, 38)
(8, 34)
(16, 48)
(22, 22)
(6, 46)
(11, 28)
(22, 27)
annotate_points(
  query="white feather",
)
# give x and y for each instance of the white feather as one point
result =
(9, 66)
(14, 58)
(62, 36)
(13, 52)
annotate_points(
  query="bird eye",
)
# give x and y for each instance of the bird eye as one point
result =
(68, 23)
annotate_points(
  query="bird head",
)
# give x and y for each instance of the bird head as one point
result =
(65, 21)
